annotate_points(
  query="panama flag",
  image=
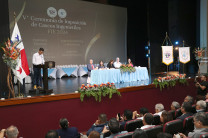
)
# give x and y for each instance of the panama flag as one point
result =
(22, 68)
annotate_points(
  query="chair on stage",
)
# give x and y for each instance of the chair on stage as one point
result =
(173, 127)
(124, 135)
(153, 131)
(188, 125)
(204, 135)
(156, 120)
(133, 124)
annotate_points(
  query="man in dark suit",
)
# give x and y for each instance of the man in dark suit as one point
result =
(66, 131)
(201, 106)
(128, 114)
(90, 67)
(186, 109)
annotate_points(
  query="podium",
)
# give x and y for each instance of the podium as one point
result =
(48, 64)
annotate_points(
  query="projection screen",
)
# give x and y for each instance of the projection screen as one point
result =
(70, 31)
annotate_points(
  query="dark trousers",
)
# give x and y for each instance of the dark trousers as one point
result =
(37, 76)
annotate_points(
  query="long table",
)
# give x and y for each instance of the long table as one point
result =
(115, 76)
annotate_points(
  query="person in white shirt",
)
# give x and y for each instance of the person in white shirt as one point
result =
(147, 121)
(159, 109)
(38, 59)
(117, 64)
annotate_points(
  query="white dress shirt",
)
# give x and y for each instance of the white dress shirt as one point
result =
(159, 113)
(146, 126)
(38, 59)
(117, 64)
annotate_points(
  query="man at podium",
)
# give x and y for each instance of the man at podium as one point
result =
(37, 60)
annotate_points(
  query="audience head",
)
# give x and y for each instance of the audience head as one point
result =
(201, 105)
(12, 132)
(139, 133)
(201, 120)
(165, 117)
(41, 51)
(203, 77)
(114, 126)
(102, 118)
(207, 96)
(64, 123)
(164, 135)
(117, 59)
(52, 134)
(175, 105)
(186, 107)
(91, 61)
(143, 111)
(189, 99)
(128, 114)
(159, 107)
(148, 119)
(94, 134)
(101, 63)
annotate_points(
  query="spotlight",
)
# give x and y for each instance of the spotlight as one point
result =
(146, 47)
(176, 42)
(147, 55)
(176, 48)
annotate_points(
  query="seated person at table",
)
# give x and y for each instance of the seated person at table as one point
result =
(99, 124)
(186, 109)
(113, 127)
(142, 112)
(147, 120)
(117, 64)
(130, 63)
(90, 67)
(110, 64)
(159, 109)
(66, 131)
(128, 114)
(101, 65)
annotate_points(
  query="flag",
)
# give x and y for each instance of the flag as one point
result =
(22, 68)
(184, 54)
(167, 55)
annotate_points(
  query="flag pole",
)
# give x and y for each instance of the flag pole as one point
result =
(183, 63)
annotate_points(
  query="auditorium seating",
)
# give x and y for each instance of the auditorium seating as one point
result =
(178, 113)
(153, 131)
(188, 125)
(156, 120)
(193, 110)
(107, 134)
(204, 135)
(173, 127)
(124, 135)
(133, 124)
(173, 113)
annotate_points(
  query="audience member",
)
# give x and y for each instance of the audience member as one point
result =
(113, 127)
(12, 132)
(201, 106)
(126, 117)
(94, 134)
(159, 109)
(52, 134)
(166, 117)
(99, 124)
(186, 109)
(2, 132)
(207, 98)
(139, 133)
(142, 112)
(110, 64)
(117, 64)
(66, 131)
(164, 135)
(200, 124)
(190, 99)
(201, 88)
(175, 105)
(147, 120)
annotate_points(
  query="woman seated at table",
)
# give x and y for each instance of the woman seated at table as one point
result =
(101, 65)
(110, 64)
(130, 63)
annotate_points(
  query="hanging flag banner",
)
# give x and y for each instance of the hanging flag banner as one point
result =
(184, 54)
(167, 55)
